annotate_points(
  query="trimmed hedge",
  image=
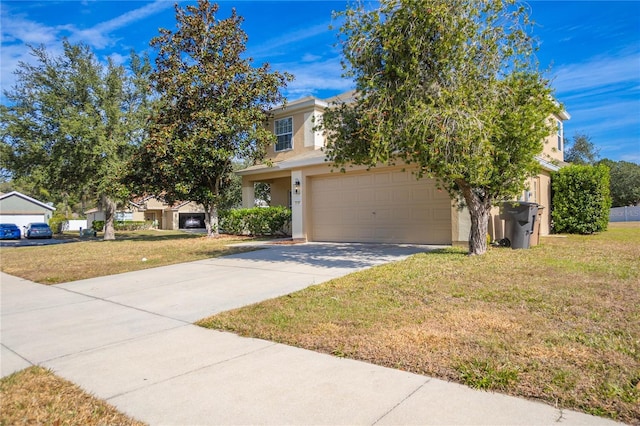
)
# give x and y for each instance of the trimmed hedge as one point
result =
(122, 225)
(581, 199)
(256, 221)
(130, 225)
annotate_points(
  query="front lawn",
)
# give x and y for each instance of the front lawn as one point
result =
(131, 251)
(559, 322)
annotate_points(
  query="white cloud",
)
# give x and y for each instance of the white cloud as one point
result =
(314, 77)
(17, 29)
(18, 32)
(100, 36)
(598, 72)
(118, 59)
(279, 44)
(602, 94)
(310, 57)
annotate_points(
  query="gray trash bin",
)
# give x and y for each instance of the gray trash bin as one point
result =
(520, 218)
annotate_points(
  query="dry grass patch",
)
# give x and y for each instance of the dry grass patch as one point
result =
(131, 251)
(559, 322)
(37, 396)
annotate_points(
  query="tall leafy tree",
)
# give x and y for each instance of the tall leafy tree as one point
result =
(211, 109)
(71, 124)
(625, 182)
(581, 150)
(449, 86)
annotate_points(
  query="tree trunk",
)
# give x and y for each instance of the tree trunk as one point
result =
(479, 209)
(211, 220)
(109, 214)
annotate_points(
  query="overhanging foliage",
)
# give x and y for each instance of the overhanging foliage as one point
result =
(449, 86)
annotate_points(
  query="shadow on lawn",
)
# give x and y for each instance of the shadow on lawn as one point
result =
(152, 236)
(340, 255)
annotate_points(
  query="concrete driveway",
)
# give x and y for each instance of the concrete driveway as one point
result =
(188, 292)
(25, 242)
(128, 339)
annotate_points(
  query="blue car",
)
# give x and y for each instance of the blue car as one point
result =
(9, 231)
(38, 230)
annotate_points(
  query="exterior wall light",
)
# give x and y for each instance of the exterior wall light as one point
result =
(296, 185)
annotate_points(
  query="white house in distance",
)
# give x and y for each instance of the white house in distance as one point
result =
(21, 209)
(386, 204)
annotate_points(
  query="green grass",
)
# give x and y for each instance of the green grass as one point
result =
(559, 322)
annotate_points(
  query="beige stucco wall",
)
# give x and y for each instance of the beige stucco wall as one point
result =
(170, 220)
(138, 216)
(460, 225)
(191, 207)
(539, 191)
(280, 189)
(553, 147)
(154, 204)
(279, 182)
(304, 138)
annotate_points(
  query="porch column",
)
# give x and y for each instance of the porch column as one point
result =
(297, 216)
(248, 193)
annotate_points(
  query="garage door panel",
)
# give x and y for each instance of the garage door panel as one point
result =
(381, 178)
(364, 196)
(364, 180)
(383, 197)
(391, 207)
(402, 177)
(362, 215)
(387, 215)
(442, 215)
(21, 220)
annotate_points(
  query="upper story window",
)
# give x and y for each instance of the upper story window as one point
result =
(284, 133)
(560, 134)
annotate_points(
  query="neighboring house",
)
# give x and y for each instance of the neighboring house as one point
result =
(21, 209)
(385, 204)
(153, 210)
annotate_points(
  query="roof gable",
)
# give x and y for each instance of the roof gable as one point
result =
(26, 198)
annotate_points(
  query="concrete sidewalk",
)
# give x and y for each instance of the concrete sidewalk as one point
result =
(128, 339)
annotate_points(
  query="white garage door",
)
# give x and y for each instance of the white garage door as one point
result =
(21, 219)
(388, 207)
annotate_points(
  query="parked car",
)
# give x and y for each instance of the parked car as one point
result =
(9, 231)
(192, 222)
(38, 230)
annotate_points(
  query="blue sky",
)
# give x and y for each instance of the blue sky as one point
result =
(591, 49)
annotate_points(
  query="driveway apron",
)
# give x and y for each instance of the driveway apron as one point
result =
(129, 339)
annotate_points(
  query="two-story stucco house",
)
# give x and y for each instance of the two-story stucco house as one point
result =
(385, 204)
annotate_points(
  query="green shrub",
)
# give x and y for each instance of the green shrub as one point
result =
(97, 225)
(57, 223)
(581, 199)
(232, 221)
(257, 221)
(130, 225)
